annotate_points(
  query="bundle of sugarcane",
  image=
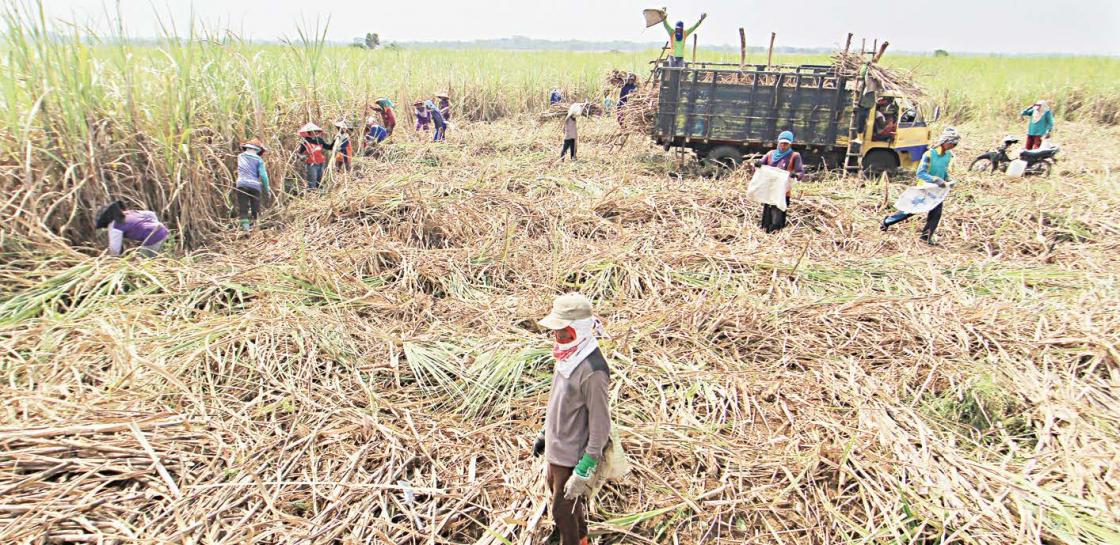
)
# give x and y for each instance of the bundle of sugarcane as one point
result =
(637, 115)
(617, 78)
(887, 79)
(561, 109)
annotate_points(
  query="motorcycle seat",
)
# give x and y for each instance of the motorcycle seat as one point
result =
(1038, 153)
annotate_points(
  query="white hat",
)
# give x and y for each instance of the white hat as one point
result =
(311, 127)
(575, 109)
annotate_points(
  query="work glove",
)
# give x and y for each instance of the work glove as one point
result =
(538, 447)
(579, 484)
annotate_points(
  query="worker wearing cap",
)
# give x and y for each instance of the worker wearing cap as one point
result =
(578, 421)
(678, 36)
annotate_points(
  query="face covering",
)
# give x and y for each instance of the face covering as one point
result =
(581, 336)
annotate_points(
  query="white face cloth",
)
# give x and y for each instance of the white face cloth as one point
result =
(1040, 111)
(569, 355)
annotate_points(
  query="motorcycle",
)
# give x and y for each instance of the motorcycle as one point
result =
(1039, 161)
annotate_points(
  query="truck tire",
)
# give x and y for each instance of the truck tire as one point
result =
(725, 156)
(878, 161)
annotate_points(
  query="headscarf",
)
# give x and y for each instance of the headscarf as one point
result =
(384, 102)
(948, 136)
(778, 155)
(430, 105)
(109, 213)
(569, 355)
(678, 31)
(1040, 111)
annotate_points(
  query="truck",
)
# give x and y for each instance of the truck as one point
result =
(726, 113)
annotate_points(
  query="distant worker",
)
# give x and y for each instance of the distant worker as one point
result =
(570, 131)
(577, 423)
(141, 226)
(886, 126)
(784, 158)
(342, 146)
(1041, 123)
(252, 182)
(314, 151)
(934, 170)
(608, 103)
(444, 106)
(384, 107)
(624, 95)
(555, 97)
(437, 120)
(678, 36)
(423, 117)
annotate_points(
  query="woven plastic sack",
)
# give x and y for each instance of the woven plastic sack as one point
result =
(769, 186)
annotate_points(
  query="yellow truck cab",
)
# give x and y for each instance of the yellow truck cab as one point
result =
(905, 146)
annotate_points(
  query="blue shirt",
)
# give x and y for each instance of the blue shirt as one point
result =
(251, 172)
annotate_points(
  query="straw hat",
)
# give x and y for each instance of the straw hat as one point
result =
(254, 143)
(566, 309)
(311, 127)
(442, 94)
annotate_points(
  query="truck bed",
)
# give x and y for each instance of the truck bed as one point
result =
(707, 104)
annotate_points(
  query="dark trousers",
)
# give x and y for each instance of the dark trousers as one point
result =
(774, 218)
(438, 136)
(248, 203)
(571, 522)
(314, 175)
(1034, 142)
(933, 218)
(569, 144)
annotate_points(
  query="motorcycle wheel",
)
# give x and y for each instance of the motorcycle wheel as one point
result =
(1041, 168)
(982, 164)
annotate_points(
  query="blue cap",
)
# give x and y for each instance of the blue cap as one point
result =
(680, 24)
(787, 136)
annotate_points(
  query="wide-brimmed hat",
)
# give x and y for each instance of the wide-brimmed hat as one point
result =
(254, 143)
(310, 127)
(418, 103)
(566, 309)
(442, 94)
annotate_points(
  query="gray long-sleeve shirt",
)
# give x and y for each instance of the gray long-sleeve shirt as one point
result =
(578, 420)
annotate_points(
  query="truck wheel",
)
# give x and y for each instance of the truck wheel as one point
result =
(726, 156)
(879, 161)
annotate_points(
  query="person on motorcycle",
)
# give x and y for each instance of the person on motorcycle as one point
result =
(933, 169)
(1041, 123)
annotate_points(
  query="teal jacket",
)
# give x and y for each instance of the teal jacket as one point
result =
(1043, 126)
(934, 165)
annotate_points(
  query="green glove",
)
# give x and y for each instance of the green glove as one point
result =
(585, 466)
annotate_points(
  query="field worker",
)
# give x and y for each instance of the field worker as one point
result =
(341, 145)
(624, 94)
(1042, 122)
(252, 182)
(933, 169)
(444, 106)
(313, 149)
(785, 158)
(607, 102)
(141, 226)
(678, 36)
(577, 423)
(437, 120)
(555, 97)
(570, 131)
(423, 118)
(384, 107)
(375, 134)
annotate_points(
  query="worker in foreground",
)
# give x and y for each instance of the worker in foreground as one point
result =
(252, 182)
(784, 158)
(934, 171)
(141, 226)
(678, 36)
(577, 424)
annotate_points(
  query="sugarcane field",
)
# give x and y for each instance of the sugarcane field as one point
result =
(795, 277)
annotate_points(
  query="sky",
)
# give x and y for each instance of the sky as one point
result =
(972, 26)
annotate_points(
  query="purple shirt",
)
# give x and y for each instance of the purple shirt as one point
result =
(798, 168)
(140, 225)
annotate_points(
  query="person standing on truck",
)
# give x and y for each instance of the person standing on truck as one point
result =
(577, 424)
(1042, 122)
(678, 36)
(774, 218)
(933, 169)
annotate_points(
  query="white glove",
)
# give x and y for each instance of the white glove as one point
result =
(577, 486)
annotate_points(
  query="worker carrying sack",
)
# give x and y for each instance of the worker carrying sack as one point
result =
(769, 186)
